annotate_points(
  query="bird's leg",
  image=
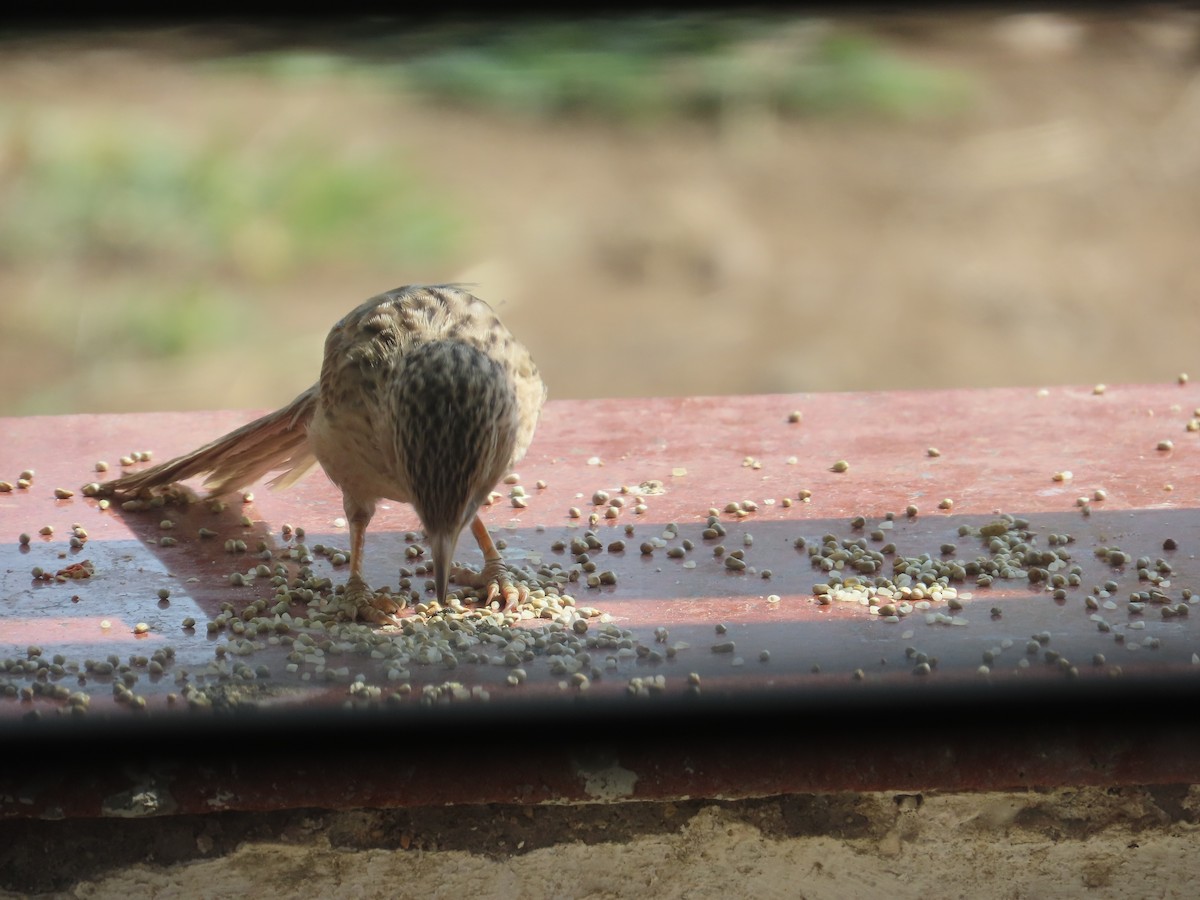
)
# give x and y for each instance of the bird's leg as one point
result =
(495, 575)
(358, 600)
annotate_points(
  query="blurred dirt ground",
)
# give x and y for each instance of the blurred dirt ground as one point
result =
(1049, 233)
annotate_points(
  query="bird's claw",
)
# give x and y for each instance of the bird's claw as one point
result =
(498, 579)
(359, 602)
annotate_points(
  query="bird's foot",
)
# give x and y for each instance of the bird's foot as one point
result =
(497, 579)
(359, 602)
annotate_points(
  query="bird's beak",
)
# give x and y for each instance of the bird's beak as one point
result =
(441, 546)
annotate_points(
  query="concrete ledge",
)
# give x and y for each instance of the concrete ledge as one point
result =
(1000, 687)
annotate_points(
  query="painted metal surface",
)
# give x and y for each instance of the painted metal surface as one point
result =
(850, 673)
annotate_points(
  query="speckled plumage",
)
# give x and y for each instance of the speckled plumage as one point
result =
(424, 398)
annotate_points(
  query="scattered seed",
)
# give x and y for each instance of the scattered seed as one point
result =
(840, 466)
(946, 504)
(933, 451)
(1166, 445)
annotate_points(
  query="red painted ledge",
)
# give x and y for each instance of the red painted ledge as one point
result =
(1073, 707)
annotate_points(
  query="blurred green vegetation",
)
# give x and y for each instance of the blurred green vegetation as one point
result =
(133, 235)
(158, 238)
(105, 189)
(642, 68)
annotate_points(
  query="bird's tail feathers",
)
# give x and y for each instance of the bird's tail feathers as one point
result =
(278, 440)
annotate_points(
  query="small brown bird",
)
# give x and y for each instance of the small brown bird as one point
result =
(424, 398)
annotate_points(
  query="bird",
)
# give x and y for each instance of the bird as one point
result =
(425, 398)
